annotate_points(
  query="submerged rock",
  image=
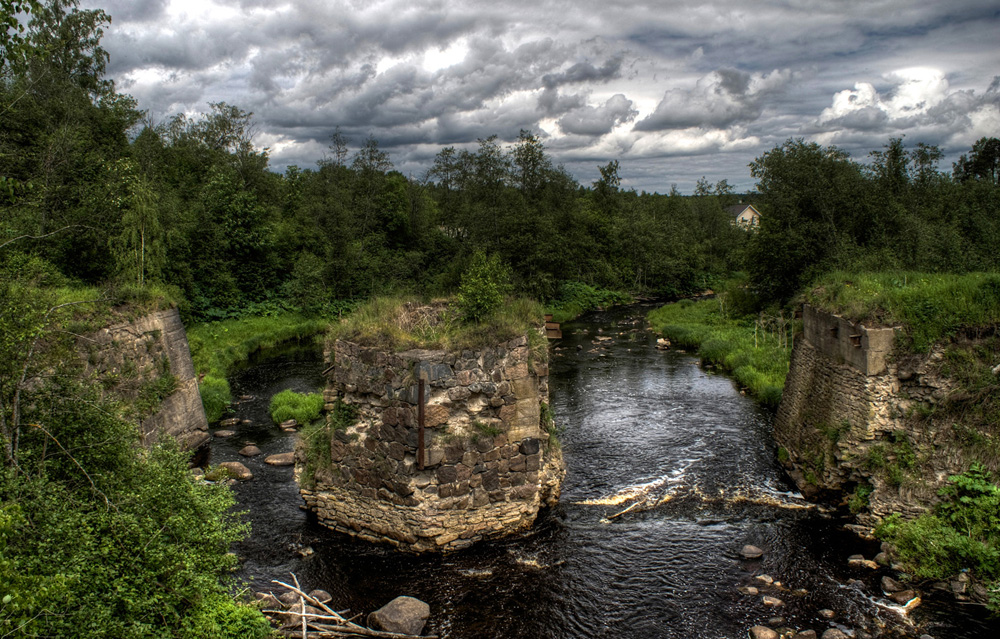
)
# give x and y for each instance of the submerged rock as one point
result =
(224, 433)
(405, 615)
(763, 632)
(751, 552)
(237, 470)
(230, 422)
(281, 459)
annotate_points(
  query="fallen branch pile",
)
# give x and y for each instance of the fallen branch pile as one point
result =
(312, 619)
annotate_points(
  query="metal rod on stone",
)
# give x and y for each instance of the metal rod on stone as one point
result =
(420, 424)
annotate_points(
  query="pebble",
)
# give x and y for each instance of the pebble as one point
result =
(826, 613)
(768, 579)
(751, 552)
(748, 590)
(903, 597)
(833, 633)
(890, 585)
(224, 433)
(775, 621)
(763, 632)
(772, 601)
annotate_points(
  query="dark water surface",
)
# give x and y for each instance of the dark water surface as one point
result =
(642, 427)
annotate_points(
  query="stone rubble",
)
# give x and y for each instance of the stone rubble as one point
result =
(489, 461)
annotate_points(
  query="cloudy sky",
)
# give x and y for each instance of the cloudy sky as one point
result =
(673, 90)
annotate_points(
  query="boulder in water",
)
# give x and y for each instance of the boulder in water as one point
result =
(763, 632)
(237, 470)
(281, 459)
(751, 552)
(250, 451)
(405, 615)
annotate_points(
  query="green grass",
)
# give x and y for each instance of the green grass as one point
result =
(930, 307)
(576, 298)
(302, 407)
(402, 323)
(727, 343)
(217, 347)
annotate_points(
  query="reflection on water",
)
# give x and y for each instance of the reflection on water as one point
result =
(671, 472)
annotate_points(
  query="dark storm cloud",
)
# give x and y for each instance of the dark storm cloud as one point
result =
(674, 87)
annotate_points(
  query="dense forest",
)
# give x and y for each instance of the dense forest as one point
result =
(95, 194)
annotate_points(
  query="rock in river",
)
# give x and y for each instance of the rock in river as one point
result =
(405, 615)
(281, 459)
(751, 552)
(238, 470)
(250, 451)
(763, 632)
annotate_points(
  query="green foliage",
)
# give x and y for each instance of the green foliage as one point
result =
(217, 347)
(576, 298)
(484, 286)
(302, 407)
(929, 307)
(215, 397)
(316, 438)
(962, 532)
(758, 363)
(104, 542)
(859, 498)
(488, 430)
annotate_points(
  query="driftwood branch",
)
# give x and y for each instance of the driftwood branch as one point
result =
(343, 628)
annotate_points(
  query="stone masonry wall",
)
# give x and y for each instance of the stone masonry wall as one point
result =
(125, 356)
(489, 463)
(842, 409)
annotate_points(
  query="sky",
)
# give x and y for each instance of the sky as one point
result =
(674, 91)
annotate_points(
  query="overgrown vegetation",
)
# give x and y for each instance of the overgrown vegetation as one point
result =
(961, 533)
(757, 358)
(302, 407)
(217, 347)
(929, 306)
(401, 323)
(316, 438)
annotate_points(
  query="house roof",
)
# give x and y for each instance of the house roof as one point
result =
(735, 209)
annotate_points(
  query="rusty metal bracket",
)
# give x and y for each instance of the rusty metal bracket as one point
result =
(420, 424)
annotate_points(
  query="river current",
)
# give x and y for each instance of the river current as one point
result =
(671, 471)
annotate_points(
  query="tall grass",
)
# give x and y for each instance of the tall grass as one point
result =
(302, 407)
(759, 363)
(929, 306)
(216, 348)
(401, 323)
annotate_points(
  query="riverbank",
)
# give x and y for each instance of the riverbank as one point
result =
(217, 347)
(577, 298)
(755, 351)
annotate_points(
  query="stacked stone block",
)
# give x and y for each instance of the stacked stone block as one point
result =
(489, 465)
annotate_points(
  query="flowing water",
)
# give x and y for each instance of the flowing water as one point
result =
(671, 472)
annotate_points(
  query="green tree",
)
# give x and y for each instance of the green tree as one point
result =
(138, 249)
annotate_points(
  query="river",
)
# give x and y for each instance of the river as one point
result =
(639, 425)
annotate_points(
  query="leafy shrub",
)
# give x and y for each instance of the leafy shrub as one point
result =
(962, 532)
(483, 288)
(109, 543)
(303, 408)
